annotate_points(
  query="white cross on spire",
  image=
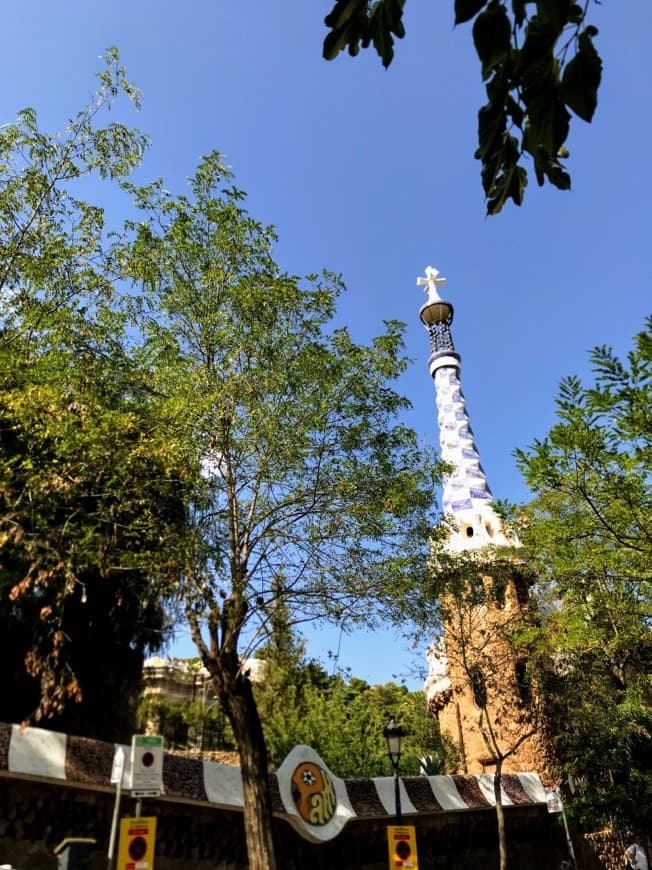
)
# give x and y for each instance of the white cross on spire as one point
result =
(430, 282)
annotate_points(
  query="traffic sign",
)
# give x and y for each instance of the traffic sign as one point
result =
(146, 765)
(402, 844)
(136, 848)
(118, 765)
(553, 799)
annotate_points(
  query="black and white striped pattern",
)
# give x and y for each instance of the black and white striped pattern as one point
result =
(48, 755)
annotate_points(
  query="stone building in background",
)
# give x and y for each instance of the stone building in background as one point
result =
(179, 702)
(478, 685)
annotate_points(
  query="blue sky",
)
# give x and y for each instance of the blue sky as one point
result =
(370, 173)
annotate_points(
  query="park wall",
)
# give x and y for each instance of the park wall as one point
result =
(36, 816)
(54, 787)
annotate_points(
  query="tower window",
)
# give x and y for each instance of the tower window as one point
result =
(478, 686)
(521, 587)
(499, 591)
(477, 589)
(523, 681)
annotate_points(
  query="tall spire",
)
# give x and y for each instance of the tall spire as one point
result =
(467, 499)
(472, 665)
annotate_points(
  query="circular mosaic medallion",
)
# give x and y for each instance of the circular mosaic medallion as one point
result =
(313, 793)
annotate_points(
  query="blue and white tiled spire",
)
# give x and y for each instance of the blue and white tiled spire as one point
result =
(467, 499)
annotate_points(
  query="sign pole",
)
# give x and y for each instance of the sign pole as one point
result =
(116, 777)
(556, 805)
(571, 851)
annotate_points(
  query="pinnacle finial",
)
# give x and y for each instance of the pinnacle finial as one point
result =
(430, 282)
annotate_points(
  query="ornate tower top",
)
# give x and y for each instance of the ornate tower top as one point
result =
(467, 499)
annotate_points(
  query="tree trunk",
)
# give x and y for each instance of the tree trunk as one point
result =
(240, 708)
(500, 814)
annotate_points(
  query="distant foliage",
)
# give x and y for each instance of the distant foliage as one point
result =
(343, 718)
(339, 715)
(186, 725)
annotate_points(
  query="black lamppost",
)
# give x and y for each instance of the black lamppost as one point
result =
(393, 735)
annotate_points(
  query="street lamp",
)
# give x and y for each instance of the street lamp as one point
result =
(393, 735)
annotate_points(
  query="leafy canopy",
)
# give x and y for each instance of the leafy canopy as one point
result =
(314, 492)
(89, 490)
(314, 498)
(182, 424)
(539, 63)
(588, 532)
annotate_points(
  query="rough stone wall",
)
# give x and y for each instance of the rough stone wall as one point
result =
(605, 849)
(475, 645)
(221, 756)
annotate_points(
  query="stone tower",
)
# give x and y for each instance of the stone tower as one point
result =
(477, 685)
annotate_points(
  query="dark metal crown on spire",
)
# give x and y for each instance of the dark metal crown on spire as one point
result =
(437, 314)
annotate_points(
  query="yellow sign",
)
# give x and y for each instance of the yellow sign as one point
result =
(136, 849)
(402, 843)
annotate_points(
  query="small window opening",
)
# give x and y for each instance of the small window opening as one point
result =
(478, 686)
(523, 683)
(521, 587)
(499, 590)
(478, 592)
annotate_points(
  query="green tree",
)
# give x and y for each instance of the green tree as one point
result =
(342, 718)
(87, 504)
(588, 532)
(89, 497)
(314, 493)
(539, 63)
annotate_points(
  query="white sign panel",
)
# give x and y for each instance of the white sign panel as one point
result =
(118, 765)
(146, 765)
(553, 798)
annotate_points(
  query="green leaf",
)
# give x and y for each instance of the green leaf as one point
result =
(356, 22)
(492, 121)
(581, 79)
(345, 11)
(385, 20)
(509, 179)
(535, 58)
(556, 11)
(514, 111)
(576, 14)
(348, 23)
(492, 37)
(465, 10)
(519, 10)
(558, 175)
(548, 120)
(588, 535)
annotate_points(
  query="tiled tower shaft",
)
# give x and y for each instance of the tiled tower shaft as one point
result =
(474, 650)
(466, 493)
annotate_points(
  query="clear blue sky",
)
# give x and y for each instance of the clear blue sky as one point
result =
(370, 173)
